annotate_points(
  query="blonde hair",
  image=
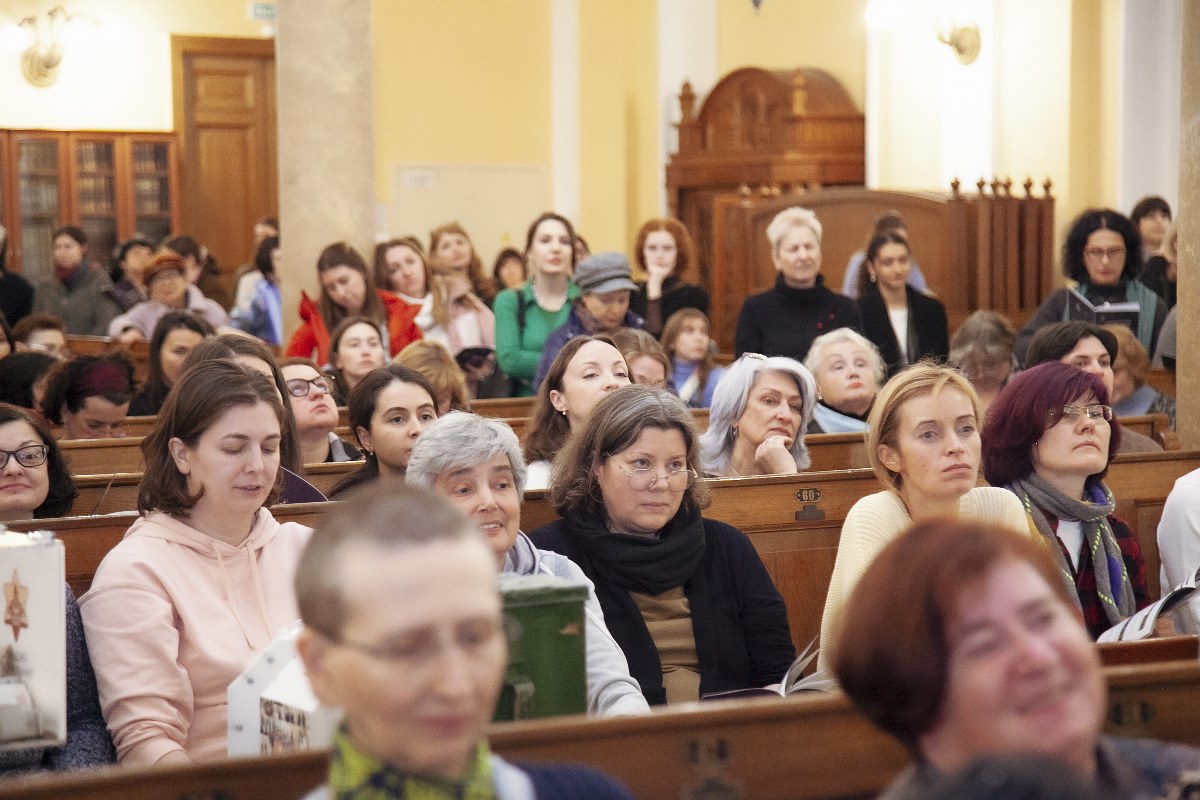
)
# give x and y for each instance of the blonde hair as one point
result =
(434, 361)
(883, 423)
(794, 217)
(1131, 355)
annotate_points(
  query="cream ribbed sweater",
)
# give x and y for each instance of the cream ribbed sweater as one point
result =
(874, 521)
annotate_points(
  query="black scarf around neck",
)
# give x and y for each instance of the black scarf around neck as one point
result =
(645, 564)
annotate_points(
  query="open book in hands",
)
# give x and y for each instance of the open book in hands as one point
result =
(794, 680)
(1125, 313)
(1141, 624)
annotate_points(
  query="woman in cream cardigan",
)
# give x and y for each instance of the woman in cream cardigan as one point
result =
(923, 443)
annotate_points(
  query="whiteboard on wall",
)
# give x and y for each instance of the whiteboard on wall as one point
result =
(494, 202)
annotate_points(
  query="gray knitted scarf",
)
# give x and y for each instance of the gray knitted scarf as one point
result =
(1112, 579)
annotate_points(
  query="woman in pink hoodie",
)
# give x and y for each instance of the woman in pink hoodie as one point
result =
(200, 584)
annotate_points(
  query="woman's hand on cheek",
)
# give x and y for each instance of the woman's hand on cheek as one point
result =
(774, 456)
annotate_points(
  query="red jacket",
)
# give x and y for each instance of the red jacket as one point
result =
(312, 334)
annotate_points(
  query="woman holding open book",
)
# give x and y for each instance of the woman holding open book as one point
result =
(1102, 255)
(1049, 439)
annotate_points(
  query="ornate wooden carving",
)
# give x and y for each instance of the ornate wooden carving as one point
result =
(777, 130)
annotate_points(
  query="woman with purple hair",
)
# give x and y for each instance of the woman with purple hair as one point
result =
(1049, 438)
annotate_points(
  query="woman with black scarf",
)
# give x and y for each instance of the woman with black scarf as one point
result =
(687, 598)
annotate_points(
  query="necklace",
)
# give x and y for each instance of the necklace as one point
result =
(552, 305)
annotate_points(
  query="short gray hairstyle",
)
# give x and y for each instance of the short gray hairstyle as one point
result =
(461, 440)
(794, 217)
(729, 402)
(816, 351)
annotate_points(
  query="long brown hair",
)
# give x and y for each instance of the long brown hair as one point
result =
(479, 282)
(200, 396)
(342, 254)
(548, 428)
(685, 248)
(434, 284)
(671, 332)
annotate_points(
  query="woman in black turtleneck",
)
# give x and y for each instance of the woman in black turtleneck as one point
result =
(1102, 254)
(783, 321)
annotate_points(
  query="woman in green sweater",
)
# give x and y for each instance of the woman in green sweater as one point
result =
(526, 316)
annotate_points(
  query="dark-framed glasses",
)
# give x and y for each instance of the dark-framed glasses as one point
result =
(33, 455)
(1102, 253)
(299, 387)
(1072, 413)
(643, 479)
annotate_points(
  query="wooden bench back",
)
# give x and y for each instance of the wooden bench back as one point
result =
(803, 747)
(794, 521)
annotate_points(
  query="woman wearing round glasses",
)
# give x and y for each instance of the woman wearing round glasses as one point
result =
(1102, 255)
(35, 483)
(311, 396)
(687, 598)
(1049, 438)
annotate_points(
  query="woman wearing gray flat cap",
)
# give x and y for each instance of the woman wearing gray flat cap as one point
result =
(605, 286)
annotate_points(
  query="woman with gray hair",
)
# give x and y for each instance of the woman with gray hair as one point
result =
(687, 598)
(784, 320)
(849, 371)
(476, 463)
(759, 413)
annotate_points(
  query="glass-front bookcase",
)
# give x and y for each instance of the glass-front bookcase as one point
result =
(111, 184)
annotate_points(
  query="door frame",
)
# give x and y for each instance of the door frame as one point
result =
(182, 48)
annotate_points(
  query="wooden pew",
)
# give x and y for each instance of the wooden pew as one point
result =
(503, 407)
(806, 747)
(794, 521)
(87, 540)
(106, 456)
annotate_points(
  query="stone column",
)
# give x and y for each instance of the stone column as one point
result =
(325, 74)
(1187, 382)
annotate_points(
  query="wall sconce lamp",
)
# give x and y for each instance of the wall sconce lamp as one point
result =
(40, 61)
(963, 39)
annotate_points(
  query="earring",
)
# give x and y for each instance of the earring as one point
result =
(872, 276)
(734, 431)
(563, 413)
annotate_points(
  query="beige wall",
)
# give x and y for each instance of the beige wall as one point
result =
(796, 33)
(462, 83)
(116, 70)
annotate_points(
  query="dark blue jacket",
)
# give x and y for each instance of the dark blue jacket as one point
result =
(573, 327)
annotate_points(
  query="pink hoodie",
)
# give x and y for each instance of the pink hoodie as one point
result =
(173, 616)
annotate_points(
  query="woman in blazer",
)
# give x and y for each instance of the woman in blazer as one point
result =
(906, 324)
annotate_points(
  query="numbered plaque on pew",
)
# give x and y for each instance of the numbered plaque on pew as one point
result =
(33, 650)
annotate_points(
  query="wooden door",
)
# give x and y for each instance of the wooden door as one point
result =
(225, 120)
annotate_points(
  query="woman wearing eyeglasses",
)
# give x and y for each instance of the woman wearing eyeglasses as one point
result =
(35, 483)
(316, 415)
(687, 598)
(1102, 255)
(1049, 438)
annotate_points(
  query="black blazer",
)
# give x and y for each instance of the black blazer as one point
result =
(928, 332)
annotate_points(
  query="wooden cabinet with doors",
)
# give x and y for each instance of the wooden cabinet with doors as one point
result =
(112, 184)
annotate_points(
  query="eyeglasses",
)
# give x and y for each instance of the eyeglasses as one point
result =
(1071, 414)
(299, 387)
(425, 649)
(32, 456)
(1104, 253)
(642, 479)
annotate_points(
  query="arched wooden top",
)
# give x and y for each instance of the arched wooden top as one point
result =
(758, 109)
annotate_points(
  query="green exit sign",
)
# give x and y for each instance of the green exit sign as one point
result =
(262, 12)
